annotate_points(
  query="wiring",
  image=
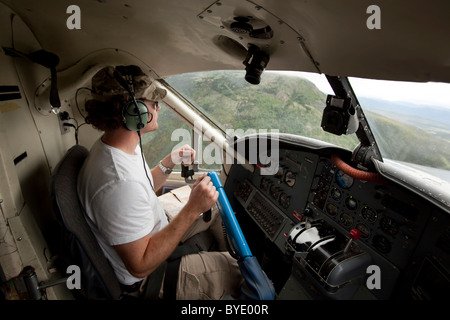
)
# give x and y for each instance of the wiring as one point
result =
(76, 127)
(143, 160)
(76, 101)
(65, 116)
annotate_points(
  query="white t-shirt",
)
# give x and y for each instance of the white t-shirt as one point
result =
(119, 201)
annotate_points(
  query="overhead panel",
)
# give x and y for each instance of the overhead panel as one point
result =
(243, 24)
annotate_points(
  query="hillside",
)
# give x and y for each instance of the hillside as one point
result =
(409, 143)
(287, 104)
(294, 105)
(432, 119)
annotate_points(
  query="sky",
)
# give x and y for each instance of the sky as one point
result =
(430, 93)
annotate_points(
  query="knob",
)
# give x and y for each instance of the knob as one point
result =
(308, 212)
(355, 234)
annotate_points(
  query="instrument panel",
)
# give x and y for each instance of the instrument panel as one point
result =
(276, 201)
(390, 219)
(308, 186)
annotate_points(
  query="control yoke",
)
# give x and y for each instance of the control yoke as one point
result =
(257, 286)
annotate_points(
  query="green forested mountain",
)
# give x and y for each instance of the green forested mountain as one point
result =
(290, 105)
(409, 143)
(284, 103)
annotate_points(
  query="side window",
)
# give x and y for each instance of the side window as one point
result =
(157, 144)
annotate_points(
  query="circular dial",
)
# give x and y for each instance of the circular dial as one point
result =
(382, 244)
(332, 210)
(336, 194)
(274, 192)
(389, 225)
(346, 220)
(365, 231)
(284, 200)
(344, 180)
(265, 182)
(290, 178)
(351, 203)
(369, 214)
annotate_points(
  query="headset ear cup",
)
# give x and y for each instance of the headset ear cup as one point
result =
(135, 115)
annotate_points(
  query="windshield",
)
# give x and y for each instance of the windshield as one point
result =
(285, 102)
(410, 121)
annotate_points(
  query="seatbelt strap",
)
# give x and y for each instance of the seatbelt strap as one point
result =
(154, 281)
(171, 279)
(173, 266)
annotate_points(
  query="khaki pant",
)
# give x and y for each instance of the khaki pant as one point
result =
(208, 275)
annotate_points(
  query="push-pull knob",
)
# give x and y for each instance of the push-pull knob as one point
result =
(308, 217)
(355, 234)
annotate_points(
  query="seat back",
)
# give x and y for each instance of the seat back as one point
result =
(79, 245)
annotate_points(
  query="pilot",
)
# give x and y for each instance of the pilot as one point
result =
(117, 190)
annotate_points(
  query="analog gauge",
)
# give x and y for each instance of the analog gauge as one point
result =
(332, 210)
(344, 180)
(365, 231)
(351, 203)
(274, 192)
(285, 200)
(289, 178)
(389, 226)
(336, 194)
(346, 220)
(264, 185)
(369, 214)
(382, 244)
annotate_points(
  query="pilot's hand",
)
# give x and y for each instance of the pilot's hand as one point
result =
(184, 155)
(203, 195)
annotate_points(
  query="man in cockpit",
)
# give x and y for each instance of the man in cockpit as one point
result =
(117, 190)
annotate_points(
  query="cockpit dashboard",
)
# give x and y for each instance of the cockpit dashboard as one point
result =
(320, 233)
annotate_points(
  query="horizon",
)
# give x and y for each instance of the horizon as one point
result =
(435, 94)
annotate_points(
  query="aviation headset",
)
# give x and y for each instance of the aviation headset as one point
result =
(134, 110)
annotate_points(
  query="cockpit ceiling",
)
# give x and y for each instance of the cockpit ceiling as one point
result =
(174, 36)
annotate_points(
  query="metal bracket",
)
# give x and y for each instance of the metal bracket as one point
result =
(187, 173)
(367, 148)
(48, 60)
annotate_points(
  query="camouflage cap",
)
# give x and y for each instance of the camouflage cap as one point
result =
(105, 84)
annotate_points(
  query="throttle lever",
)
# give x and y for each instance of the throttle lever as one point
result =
(355, 234)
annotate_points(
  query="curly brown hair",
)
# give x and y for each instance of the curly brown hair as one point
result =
(106, 116)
